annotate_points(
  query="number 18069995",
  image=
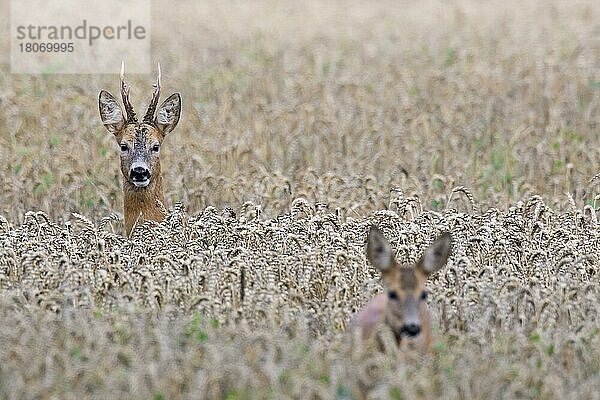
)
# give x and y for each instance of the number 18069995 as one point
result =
(34, 47)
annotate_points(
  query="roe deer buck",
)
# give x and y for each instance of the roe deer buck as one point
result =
(402, 308)
(140, 149)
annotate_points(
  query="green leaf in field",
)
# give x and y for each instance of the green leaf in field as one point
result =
(450, 56)
(439, 346)
(54, 141)
(535, 337)
(448, 370)
(497, 160)
(558, 164)
(396, 393)
(202, 336)
(413, 91)
(343, 393)
(47, 178)
(305, 349)
(76, 352)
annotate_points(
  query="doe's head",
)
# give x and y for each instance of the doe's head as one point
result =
(139, 141)
(406, 309)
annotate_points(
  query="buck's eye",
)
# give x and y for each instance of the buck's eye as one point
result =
(156, 148)
(424, 295)
(124, 147)
(392, 295)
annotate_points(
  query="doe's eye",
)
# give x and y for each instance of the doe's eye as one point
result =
(424, 295)
(392, 295)
(124, 147)
(156, 148)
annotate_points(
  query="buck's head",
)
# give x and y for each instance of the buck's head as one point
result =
(406, 309)
(139, 141)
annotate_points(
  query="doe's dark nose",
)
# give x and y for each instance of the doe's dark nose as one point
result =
(139, 174)
(411, 329)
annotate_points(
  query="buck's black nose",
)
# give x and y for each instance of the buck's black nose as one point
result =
(411, 329)
(139, 174)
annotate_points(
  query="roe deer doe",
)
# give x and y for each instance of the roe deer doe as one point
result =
(140, 143)
(403, 307)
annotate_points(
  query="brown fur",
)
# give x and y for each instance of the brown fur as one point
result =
(140, 144)
(141, 204)
(407, 283)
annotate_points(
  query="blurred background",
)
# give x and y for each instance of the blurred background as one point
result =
(338, 102)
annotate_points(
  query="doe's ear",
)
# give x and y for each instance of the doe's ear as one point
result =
(379, 250)
(436, 255)
(110, 112)
(168, 113)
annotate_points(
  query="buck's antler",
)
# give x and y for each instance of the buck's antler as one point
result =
(125, 95)
(149, 117)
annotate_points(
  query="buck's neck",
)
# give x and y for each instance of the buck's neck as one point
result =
(141, 202)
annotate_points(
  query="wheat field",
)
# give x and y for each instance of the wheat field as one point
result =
(304, 123)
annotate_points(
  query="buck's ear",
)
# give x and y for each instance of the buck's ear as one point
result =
(168, 113)
(110, 112)
(436, 254)
(379, 250)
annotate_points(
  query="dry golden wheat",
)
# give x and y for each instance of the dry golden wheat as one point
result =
(303, 124)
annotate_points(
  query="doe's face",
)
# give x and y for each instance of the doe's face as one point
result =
(406, 311)
(406, 307)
